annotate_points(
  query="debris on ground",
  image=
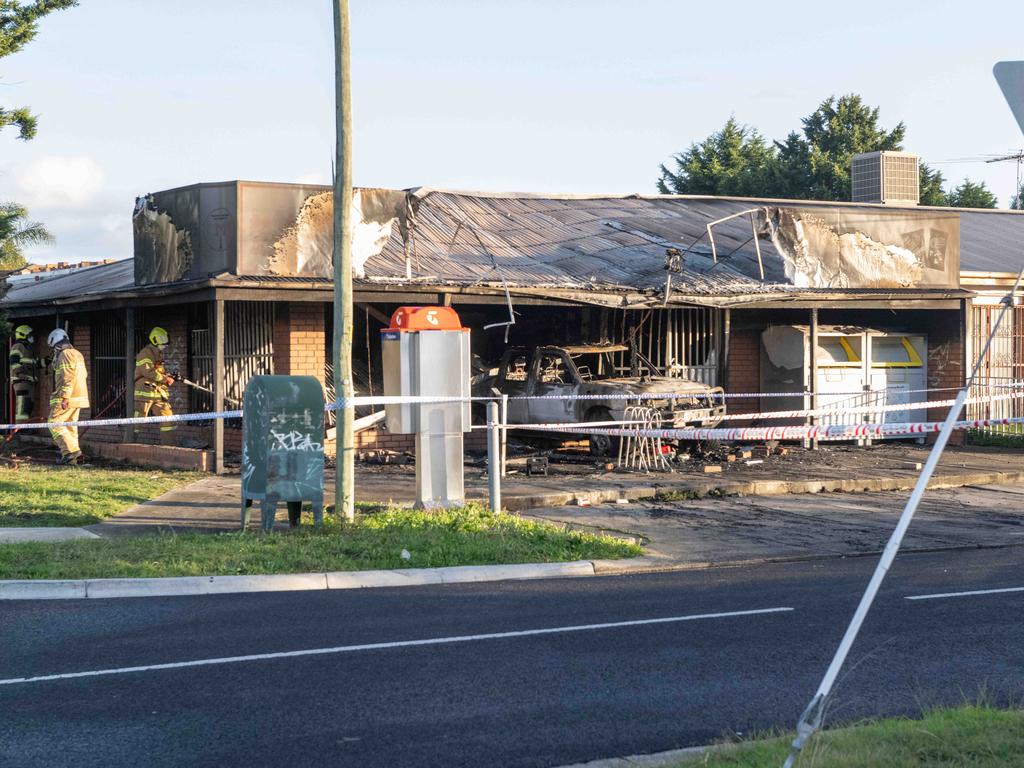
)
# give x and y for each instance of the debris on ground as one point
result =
(537, 465)
(384, 456)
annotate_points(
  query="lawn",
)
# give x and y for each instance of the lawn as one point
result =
(470, 536)
(978, 736)
(34, 495)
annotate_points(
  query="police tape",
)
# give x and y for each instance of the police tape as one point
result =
(869, 409)
(364, 400)
(801, 432)
(121, 422)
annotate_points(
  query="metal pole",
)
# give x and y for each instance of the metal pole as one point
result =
(218, 385)
(814, 371)
(811, 719)
(129, 372)
(344, 494)
(504, 432)
(493, 457)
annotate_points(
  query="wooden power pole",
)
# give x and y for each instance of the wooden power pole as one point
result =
(344, 493)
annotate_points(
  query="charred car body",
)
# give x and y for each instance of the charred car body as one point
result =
(596, 372)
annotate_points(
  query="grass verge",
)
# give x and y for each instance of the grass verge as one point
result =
(979, 736)
(70, 496)
(470, 536)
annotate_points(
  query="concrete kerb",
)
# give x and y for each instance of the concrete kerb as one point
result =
(186, 586)
(177, 586)
(656, 760)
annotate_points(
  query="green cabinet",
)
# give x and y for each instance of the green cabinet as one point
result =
(283, 447)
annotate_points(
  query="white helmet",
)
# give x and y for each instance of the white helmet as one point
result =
(57, 335)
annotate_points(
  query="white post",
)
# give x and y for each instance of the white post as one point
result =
(493, 456)
(504, 432)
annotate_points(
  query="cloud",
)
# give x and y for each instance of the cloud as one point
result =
(60, 181)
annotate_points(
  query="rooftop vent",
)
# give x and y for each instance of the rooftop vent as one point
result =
(885, 177)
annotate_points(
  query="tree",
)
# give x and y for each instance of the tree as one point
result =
(971, 195)
(931, 186)
(18, 26)
(836, 131)
(733, 161)
(16, 231)
(1017, 201)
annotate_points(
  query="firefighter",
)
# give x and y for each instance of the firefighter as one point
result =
(24, 373)
(152, 382)
(68, 396)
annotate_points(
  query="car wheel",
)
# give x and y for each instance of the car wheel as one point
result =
(602, 445)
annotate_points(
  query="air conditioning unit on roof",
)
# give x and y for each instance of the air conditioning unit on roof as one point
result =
(885, 177)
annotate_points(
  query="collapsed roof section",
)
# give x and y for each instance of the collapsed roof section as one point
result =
(678, 248)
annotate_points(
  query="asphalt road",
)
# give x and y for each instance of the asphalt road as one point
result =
(525, 698)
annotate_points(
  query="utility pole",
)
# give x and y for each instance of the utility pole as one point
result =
(344, 494)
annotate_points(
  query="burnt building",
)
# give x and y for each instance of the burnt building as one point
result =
(239, 273)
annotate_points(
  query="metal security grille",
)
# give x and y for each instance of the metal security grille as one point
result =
(682, 342)
(108, 339)
(7, 401)
(1003, 366)
(248, 349)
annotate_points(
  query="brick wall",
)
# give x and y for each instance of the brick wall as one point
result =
(744, 371)
(307, 345)
(375, 439)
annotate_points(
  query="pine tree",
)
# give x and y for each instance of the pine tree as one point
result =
(971, 195)
(18, 26)
(733, 161)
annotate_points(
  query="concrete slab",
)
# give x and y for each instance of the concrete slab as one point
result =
(703, 532)
(213, 503)
(49, 535)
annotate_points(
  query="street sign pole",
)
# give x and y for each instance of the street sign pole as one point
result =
(344, 498)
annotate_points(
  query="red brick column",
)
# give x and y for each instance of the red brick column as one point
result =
(743, 371)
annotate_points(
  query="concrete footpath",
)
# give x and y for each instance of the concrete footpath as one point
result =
(212, 503)
(708, 532)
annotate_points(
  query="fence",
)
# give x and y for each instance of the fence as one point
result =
(683, 342)
(1003, 366)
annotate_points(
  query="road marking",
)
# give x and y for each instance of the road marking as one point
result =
(966, 594)
(385, 646)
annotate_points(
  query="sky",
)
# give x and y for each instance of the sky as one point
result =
(576, 96)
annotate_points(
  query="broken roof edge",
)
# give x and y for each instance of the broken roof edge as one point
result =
(422, 192)
(249, 182)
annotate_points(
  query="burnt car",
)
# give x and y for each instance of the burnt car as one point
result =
(604, 373)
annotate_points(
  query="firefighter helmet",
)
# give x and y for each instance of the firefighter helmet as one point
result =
(57, 336)
(158, 337)
(23, 333)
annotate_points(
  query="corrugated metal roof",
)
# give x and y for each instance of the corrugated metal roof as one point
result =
(991, 242)
(619, 242)
(44, 287)
(577, 243)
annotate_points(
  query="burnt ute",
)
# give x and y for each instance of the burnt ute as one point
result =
(552, 375)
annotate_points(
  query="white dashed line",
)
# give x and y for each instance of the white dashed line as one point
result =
(966, 594)
(386, 646)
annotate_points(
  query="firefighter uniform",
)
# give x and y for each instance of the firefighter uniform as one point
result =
(24, 373)
(69, 396)
(152, 389)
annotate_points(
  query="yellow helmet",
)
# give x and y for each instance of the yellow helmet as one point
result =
(23, 332)
(159, 337)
